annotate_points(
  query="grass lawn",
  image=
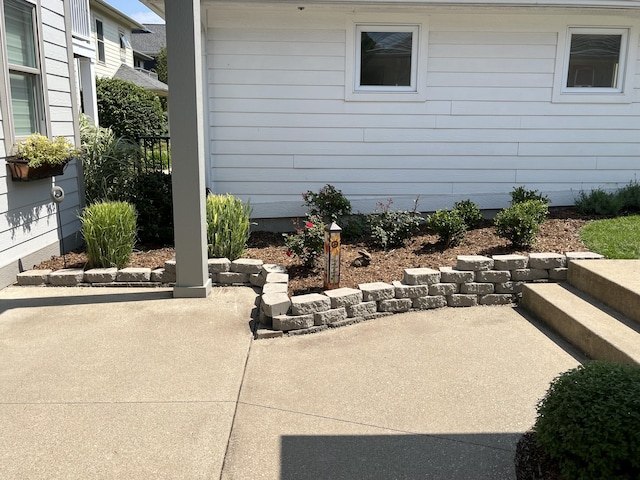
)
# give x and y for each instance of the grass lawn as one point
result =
(614, 238)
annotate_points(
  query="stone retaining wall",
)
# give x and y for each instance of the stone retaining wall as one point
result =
(475, 280)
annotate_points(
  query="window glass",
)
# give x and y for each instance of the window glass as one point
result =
(385, 58)
(23, 103)
(594, 61)
(19, 30)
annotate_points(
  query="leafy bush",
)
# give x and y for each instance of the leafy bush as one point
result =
(391, 228)
(521, 195)
(228, 224)
(151, 195)
(630, 197)
(109, 163)
(520, 222)
(130, 110)
(354, 227)
(39, 150)
(308, 242)
(599, 202)
(109, 230)
(589, 422)
(329, 204)
(469, 212)
(448, 225)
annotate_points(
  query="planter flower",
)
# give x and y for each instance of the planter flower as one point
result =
(39, 157)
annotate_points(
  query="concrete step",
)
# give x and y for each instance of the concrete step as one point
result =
(597, 330)
(616, 283)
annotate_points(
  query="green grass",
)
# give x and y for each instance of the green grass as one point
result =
(614, 238)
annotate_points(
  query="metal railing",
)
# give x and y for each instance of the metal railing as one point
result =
(80, 22)
(156, 153)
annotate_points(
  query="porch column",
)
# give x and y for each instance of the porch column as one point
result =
(184, 52)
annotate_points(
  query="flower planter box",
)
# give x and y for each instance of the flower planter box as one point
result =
(22, 172)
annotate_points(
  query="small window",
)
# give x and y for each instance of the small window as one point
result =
(386, 58)
(595, 61)
(100, 40)
(124, 42)
(25, 77)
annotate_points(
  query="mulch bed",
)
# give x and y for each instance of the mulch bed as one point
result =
(559, 234)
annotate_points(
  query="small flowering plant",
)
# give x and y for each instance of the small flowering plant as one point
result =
(307, 243)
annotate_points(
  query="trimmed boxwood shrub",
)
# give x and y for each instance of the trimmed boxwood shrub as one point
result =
(589, 422)
(520, 222)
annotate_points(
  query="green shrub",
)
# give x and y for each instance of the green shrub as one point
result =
(448, 225)
(630, 197)
(521, 195)
(470, 213)
(308, 242)
(109, 230)
(589, 422)
(151, 195)
(109, 163)
(520, 222)
(354, 227)
(391, 228)
(599, 202)
(228, 224)
(130, 110)
(329, 204)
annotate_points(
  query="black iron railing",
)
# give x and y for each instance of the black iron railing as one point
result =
(156, 154)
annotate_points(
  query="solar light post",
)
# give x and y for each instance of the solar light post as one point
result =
(332, 256)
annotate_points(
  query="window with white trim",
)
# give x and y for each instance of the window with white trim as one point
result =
(100, 40)
(595, 66)
(24, 72)
(386, 61)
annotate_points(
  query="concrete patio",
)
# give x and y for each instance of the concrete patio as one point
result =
(131, 383)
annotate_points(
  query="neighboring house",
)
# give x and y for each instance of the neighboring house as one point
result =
(111, 37)
(147, 45)
(37, 94)
(399, 99)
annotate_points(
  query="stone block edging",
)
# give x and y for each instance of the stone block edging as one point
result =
(475, 280)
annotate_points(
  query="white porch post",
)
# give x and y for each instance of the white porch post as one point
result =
(184, 53)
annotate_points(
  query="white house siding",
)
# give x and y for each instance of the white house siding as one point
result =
(112, 50)
(29, 230)
(280, 125)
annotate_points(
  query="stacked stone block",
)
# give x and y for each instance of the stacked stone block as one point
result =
(475, 280)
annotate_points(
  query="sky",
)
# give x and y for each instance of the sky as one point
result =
(135, 10)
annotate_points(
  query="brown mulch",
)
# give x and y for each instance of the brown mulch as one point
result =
(559, 234)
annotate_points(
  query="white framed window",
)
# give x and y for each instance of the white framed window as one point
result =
(386, 61)
(124, 44)
(594, 65)
(100, 40)
(24, 79)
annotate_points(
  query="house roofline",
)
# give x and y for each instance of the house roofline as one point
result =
(121, 16)
(157, 6)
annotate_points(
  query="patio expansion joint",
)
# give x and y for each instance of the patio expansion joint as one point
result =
(362, 424)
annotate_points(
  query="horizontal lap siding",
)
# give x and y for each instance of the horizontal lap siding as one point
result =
(279, 123)
(28, 220)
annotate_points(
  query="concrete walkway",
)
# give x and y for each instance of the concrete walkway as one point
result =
(130, 383)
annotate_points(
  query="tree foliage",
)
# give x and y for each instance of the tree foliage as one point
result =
(129, 110)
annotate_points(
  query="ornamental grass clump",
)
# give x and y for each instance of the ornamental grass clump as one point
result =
(589, 422)
(109, 230)
(228, 225)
